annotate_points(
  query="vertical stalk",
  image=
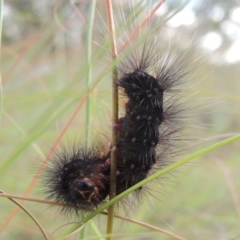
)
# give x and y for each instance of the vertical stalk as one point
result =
(92, 7)
(112, 193)
(1, 92)
(91, 13)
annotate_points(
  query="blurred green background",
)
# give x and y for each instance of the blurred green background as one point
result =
(44, 78)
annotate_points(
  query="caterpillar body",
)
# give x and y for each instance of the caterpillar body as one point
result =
(80, 178)
(140, 131)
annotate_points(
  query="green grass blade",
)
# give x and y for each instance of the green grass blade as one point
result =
(31, 137)
(24, 134)
(96, 231)
(92, 7)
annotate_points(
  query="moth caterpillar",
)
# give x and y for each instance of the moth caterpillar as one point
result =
(80, 178)
(146, 130)
(146, 81)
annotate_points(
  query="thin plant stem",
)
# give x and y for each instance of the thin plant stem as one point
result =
(91, 14)
(92, 223)
(149, 226)
(29, 214)
(64, 225)
(112, 192)
(92, 7)
(6, 195)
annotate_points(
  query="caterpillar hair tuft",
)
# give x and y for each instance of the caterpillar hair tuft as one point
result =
(78, 177)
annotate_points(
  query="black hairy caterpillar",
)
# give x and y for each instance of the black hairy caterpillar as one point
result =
(80, 179)
(140, 131)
